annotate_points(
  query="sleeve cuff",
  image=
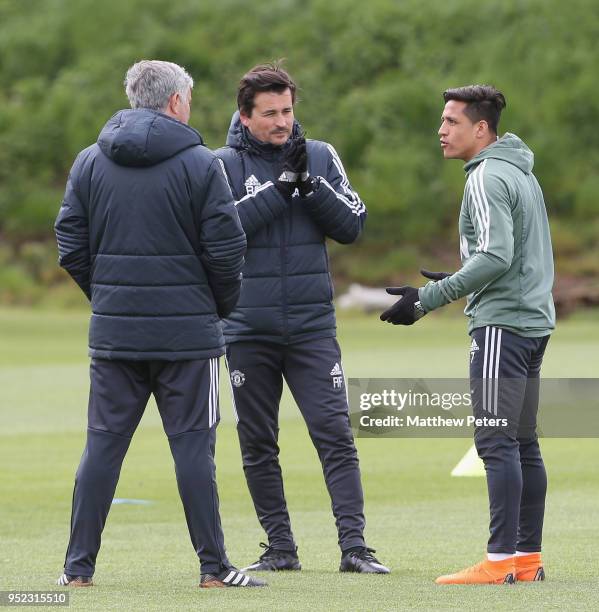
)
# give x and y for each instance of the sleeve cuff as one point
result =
(431, 296)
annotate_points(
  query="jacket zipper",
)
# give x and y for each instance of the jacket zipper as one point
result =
(284, 277)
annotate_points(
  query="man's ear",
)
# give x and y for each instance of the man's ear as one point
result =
(173, 103)
(245, 120)
(482, 129)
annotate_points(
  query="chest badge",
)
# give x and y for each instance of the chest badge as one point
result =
(251, 185)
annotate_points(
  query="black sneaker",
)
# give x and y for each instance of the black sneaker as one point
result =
(74, 581)
(274, 560)
(231, 577)
(363, 562)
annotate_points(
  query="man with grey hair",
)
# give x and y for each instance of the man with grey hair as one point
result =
(151, 84)
(148, 229)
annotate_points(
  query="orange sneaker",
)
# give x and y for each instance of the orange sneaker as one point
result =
(529, 568)
(485, 572)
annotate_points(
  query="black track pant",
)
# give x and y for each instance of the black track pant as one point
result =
(187, 396)
(313, 372)
(504, 378)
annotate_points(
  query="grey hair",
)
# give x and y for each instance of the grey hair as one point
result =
(150, 83)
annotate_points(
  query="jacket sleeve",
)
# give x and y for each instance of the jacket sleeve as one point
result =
(260, 208)
(489, 207)
(222, 240)
(335, 207)
(72, 234)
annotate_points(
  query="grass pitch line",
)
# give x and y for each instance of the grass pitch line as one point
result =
(469, 465)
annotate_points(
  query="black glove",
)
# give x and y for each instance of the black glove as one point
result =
(306, 183)
(308, 187)
(436, 276)
(297, 161)
(407, 310)
(295, 166)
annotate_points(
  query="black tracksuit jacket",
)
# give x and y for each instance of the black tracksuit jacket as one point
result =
(149, 230)
(287, 293)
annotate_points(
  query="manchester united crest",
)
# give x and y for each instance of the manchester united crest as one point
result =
(237, 378)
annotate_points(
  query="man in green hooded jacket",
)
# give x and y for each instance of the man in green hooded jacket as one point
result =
(507, 277)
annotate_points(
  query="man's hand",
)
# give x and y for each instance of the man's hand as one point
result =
(407, 310)
(297, 160)
(295, 167)
(306, 183)
(436, 276)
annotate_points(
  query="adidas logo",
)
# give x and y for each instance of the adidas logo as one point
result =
(251, 184)
(337, 375)
(336, 371)
(473, 349)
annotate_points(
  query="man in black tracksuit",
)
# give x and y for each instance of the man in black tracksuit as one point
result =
(149, 231)
(291, 195)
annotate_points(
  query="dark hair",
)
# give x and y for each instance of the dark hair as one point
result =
(264, 77)
(483, 103)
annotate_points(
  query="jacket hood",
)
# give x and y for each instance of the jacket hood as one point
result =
(143, 137)
(239, 137)
(508, 148)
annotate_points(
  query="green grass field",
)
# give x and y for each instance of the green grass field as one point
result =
(421, 521)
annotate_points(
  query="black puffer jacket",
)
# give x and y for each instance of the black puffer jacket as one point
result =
(287, 292)
(149, 230)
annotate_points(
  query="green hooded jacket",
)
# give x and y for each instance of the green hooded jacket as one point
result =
(505, 245)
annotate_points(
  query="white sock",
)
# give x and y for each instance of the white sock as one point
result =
(499, 556)
(519, 553)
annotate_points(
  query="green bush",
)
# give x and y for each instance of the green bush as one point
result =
(370, 75)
